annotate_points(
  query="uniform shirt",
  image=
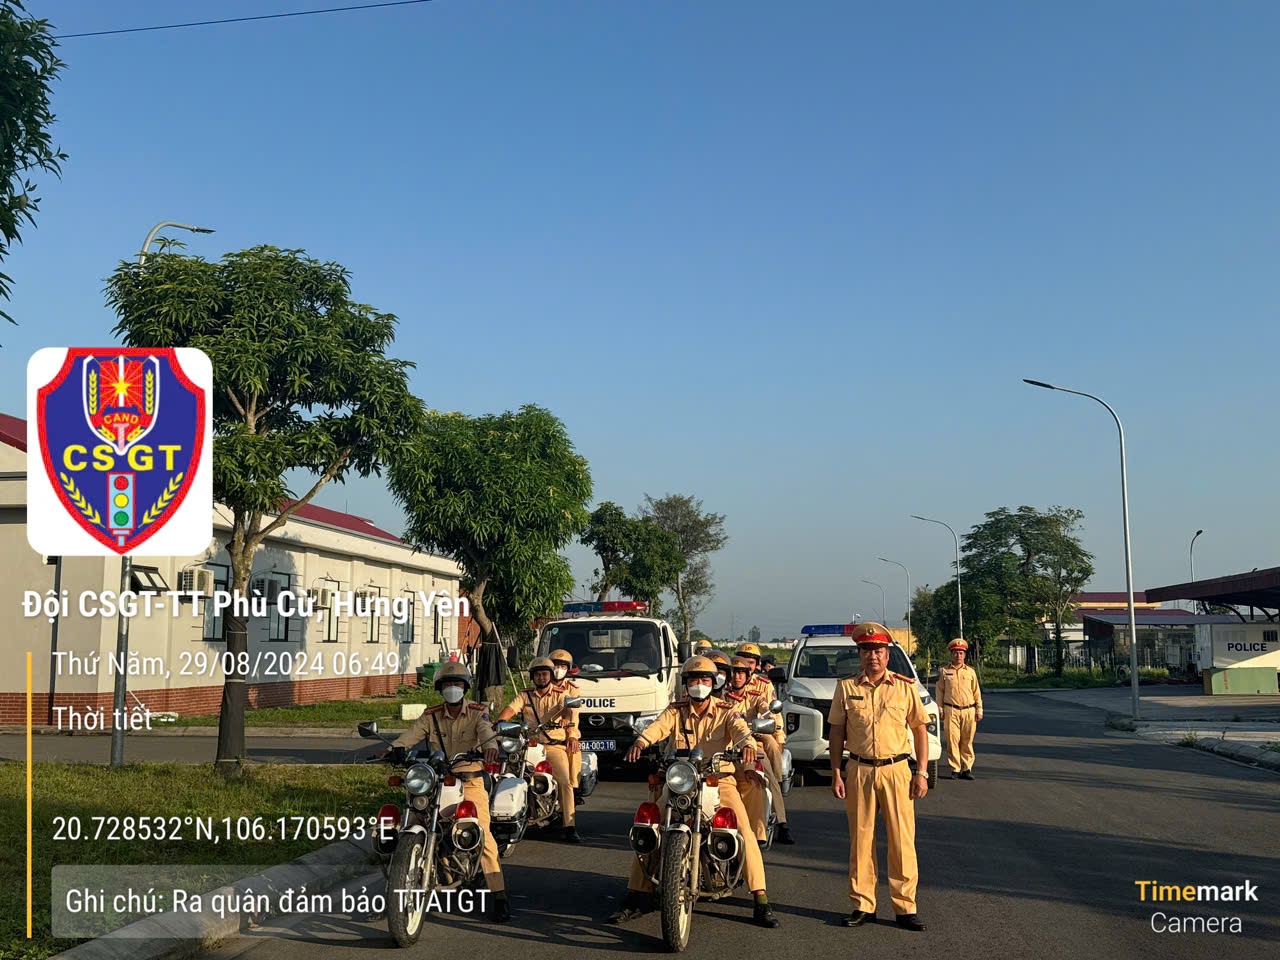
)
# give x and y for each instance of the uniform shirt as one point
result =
(538, 708)
(469, 730)
(876, 717)
(762, 685)
(715, 731)
(752, 706)
(958, 686)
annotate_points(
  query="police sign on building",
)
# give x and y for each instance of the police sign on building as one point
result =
(119, 451)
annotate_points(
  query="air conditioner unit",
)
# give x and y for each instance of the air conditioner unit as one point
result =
(196, 580)
(324, 598)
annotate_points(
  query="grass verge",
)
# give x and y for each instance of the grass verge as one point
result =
(335, 713)
(1074, 679)
(85, 791)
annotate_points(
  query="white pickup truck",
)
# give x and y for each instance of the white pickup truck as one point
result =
(822, 657)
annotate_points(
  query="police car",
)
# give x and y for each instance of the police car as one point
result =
(822, 657)
(626, 666)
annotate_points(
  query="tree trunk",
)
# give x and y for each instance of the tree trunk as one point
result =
(1057, 643)
(235, 689)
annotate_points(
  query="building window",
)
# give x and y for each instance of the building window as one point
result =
(215, 627)
(330, 627)
(403, 632)
(277, 626)
(1270, 636)
(435, 624)
(367, 603)
(148, 580)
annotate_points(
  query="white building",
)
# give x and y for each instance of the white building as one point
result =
(333, 655)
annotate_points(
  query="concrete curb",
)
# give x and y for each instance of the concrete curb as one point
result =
(181, 731)
(153, 939)
(1243, 752)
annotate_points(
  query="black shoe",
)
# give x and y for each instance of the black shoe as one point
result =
(910, 921)
(500, 912)
(634, 904)
(966, 774)
(763, 916)
(858, 918)
(783, 834)
(571, 835)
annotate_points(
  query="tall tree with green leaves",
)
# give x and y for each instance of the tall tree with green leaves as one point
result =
(302, 382)
(609, 533)
(29, 65)
(698, 534)
(499, 494)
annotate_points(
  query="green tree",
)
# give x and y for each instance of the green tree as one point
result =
(698, 534)
(499, 494)
(302, 382)
(28, 68)
(609, 533)
(637, 556)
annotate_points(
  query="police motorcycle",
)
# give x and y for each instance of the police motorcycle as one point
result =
(762, 784)
(524, 795)
(433, 842)
(694, 845)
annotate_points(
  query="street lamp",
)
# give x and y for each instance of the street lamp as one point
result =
(908, 573)
(1128, 552)
(883, 615)
(959, 599)
(1191, 554)
(126, 565)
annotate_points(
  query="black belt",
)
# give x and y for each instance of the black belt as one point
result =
(883, 763)
(956, 706)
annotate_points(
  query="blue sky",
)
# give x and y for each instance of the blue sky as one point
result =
(791, 259)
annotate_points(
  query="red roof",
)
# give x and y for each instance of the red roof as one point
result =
(13, 431)
(1087, 598)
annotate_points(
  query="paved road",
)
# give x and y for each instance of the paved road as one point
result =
(1037, 858)
(1170, 703)
(156, 749)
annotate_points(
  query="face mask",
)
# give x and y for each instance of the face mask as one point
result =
(561, 672)
(700, 691)
(719, 680)
(453, 694)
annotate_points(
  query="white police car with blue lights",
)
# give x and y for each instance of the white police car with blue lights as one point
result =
(823, 656)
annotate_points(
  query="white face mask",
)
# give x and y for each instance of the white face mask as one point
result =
(561, 672)
(719, 680)
(453, 693)
(700, 691)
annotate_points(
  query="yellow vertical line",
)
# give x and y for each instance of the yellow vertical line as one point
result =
(29, 795)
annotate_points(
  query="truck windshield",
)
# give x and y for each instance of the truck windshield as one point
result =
(841, 660)
(606, 646)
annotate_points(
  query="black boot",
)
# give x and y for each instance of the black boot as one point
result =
(763, 916)
(634, 904)
(783, 834)
(966, 774)
(500, 912)
(571, 835)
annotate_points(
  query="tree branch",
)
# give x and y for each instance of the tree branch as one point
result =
(235, 401)
(283, 516)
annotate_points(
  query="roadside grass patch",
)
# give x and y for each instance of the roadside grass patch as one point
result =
(334, 713)
(151, 790)
(1008, 677)
(1189, 739)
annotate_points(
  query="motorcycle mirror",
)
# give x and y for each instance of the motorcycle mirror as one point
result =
(775, 706)
(507, 728)
(573, 703)
(696, 754)
(526, 727)
(764, 725)
(438, 756)
(367, 729)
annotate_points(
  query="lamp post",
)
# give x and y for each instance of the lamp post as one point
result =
(883, 615)
(1191, 555)
(908, 573)
(1128, 552)
(126, 565)
(959, 598)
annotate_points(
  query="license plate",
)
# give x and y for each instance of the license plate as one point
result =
(599, 746)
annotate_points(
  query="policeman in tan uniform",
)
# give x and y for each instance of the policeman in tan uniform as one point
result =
(703, 722)
(958, 692)
(751, 706)
(537, 705)
(456, 727)
(877, 715)
(721, 682)
(759, 682)
(562, 680)
(702, 647)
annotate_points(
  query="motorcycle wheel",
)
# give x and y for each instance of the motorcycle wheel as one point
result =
(677, 895)
(408, 863)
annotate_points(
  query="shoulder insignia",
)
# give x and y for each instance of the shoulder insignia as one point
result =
(904, 678)
(473, 705)
(681, 703)
(439, 707)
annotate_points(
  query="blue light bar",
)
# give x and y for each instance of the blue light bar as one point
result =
(582, 607)
(828, 629)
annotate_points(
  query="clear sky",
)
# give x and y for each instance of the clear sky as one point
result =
(793, 259)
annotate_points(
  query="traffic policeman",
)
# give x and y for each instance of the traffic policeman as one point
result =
(760, 683)
(877, 715)
(721, 682)
(455, 727)
(543, 704)
(701, 721)
(752, 706)
(702, 647)
(562, 680)
(958, 692)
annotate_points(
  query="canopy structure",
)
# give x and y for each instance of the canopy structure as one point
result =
(1258, 588)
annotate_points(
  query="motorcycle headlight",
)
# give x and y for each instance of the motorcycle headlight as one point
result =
(681, 777)
(419, 779)
(509, 744)
(643, 721)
